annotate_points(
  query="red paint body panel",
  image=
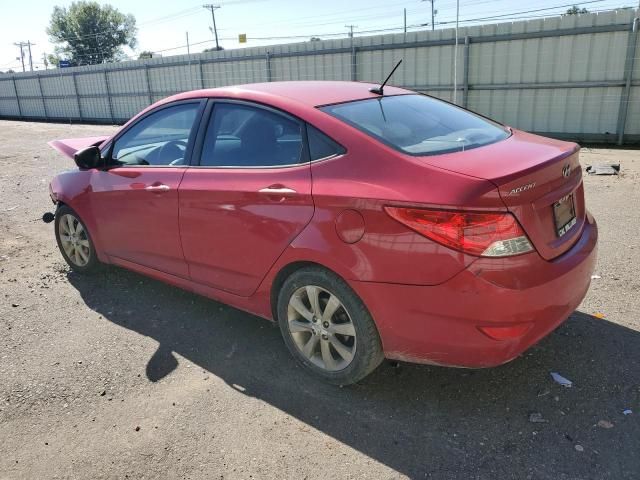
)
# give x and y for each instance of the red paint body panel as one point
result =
(439, 324)
(213, 232)
(231, 233)
(137, 224)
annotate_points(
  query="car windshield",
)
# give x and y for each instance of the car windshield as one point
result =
(419, 125)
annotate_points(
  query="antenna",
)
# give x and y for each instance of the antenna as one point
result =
(380, 90)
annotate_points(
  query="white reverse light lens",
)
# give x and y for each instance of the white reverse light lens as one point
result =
(505, 248)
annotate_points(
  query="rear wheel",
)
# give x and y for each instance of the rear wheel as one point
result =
(327, 327)
(74, 241)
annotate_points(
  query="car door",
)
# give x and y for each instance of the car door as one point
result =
(248, 196)
(135, 199)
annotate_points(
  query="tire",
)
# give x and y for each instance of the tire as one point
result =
(339, 343)
(74, 241)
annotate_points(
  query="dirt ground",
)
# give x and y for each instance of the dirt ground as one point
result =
(120, 376)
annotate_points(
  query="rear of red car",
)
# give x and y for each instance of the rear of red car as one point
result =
(525, 242)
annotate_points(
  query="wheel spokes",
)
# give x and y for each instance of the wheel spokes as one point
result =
(310, 346)
(84, 255)
(327, 357)
(298, 306)
(68, 249)
(296, 326)
(313, 294)
(344, 329)
(345, 352)
(330, 308)
(70, 226)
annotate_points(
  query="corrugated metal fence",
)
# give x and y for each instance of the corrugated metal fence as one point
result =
(570, 77)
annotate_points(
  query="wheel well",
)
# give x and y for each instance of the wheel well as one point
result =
(282, 276)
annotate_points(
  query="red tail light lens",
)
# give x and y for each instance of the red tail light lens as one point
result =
(481, 234)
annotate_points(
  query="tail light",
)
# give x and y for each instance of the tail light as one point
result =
(480, 234)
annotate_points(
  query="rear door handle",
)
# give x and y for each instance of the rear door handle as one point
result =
(277, 190)
(157, 188)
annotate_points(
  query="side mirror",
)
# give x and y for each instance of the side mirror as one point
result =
(88, 158)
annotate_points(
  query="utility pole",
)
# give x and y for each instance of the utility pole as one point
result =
(21, 57)
(433, 14)
(30, 58)
(455, 56)
(213, 8)
(188, 49)
(405, 21)
(351, 27)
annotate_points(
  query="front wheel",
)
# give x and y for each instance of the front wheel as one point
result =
(74, 241)
(327, 327)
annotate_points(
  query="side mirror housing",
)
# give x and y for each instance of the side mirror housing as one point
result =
(88, 158)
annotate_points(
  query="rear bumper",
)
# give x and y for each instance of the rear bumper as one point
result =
(440, 324)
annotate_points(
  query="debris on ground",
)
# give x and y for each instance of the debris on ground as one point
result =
(595, 277)
(579, 448)
(599, 315)
(627, 412)
(605, 424)
(561, 380)
(603, 169)
(536, 417)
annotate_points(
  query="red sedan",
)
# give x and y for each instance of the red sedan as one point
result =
(369, 224)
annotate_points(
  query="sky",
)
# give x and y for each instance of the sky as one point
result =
(162, 25)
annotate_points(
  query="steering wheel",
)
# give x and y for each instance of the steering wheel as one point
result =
(172, 149)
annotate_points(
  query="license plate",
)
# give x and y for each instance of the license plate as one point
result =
(564, 214)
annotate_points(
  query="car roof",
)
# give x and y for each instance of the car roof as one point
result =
(309, 93)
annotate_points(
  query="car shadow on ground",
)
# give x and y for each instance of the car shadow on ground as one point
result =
(421, 421)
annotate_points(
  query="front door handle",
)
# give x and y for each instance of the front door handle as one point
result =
(157, 188)
(277, 190)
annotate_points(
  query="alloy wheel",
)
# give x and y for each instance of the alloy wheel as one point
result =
(74, 240)
(321, 328)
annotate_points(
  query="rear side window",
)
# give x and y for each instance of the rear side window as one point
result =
(321, 146)
(419, 125)
(246, 136)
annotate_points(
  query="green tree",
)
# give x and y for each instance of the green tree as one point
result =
(87, 33)
(575, 10)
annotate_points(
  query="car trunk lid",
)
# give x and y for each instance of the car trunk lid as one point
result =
(69, 146)
(538, 179)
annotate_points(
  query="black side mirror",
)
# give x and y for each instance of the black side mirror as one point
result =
(88, 158)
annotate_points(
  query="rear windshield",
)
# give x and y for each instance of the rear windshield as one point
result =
(419, 125)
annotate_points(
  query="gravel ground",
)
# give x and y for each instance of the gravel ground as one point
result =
(118, 376)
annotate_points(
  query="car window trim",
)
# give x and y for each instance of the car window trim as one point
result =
(190, 143)
(206, 118)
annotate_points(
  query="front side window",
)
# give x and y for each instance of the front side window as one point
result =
(159, 139)
(246, 136)
(419, 125)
